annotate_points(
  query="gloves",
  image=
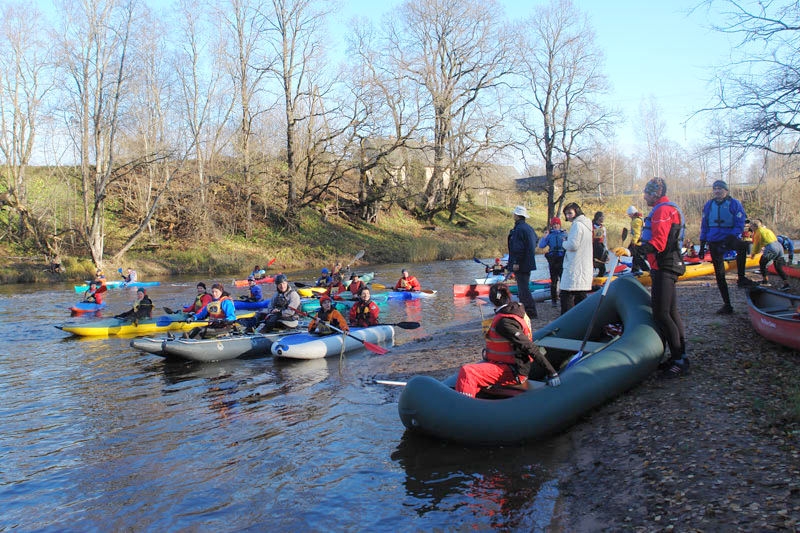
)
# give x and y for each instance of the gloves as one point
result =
(553, 380)
(702, 252)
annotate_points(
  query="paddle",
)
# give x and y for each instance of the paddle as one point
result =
(358, 256)
(578, 356)
(120, 272)
(271, 261)
(378, 286)
(624, 234)
(374, 348)
(481, 262)
(393, 383)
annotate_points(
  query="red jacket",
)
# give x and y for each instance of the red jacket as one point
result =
(407, 284)
(364, 314)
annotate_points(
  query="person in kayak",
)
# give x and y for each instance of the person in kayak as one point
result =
(788, 246)
(554, 242)
(100, 277)
(200, 301)
(407, 282)
(221, 314)
(497, 269)
(95, 293)
(764, 240)
(511, 357)
(356, 285)
(327, 316)
(324, 279)
(131, 276)
(364, 312)
(142, 308)
(282, 310)
(258, 272)
(335, 287)
(256, 295)
(721, 229)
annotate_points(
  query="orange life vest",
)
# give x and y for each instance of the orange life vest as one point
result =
(498, 348)
(214, 308)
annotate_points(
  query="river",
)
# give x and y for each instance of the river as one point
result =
(97, 436)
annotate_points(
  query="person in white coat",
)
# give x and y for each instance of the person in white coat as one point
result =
(576, 280)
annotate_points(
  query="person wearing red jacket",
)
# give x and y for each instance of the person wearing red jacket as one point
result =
(356, 285)
(662, 237)
(200, 301)
(364, 312)
(511, 356)
(407, 282)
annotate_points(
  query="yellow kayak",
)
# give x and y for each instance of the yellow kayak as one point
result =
(692, 271)
(147, 326)
(308, 292)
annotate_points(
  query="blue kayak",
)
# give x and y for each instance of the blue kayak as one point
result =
(119, 285)
(82, 308)
(409, 295)
(244, 304)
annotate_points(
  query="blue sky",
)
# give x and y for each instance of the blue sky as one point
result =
(652, 48)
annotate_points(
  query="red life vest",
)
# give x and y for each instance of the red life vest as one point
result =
(214, 308)
(498, 348)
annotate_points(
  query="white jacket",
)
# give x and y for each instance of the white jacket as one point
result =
(578, 266)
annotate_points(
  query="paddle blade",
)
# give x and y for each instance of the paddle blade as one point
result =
(477, 260)
(359, 255)
(119, 270)
(405, 325)
(374, 348)
(378, 286)
(271, 261)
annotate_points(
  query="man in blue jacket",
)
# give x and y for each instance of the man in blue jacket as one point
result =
(721, 228)
(522, 242)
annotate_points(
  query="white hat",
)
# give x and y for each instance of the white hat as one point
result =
(521, 211)
(632, 210)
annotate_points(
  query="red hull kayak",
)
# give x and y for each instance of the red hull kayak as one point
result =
(791, 271)
(774, 316)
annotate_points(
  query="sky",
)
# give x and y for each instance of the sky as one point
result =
(652, 48)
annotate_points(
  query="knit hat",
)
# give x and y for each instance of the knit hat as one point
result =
(656, 187)
(721, 184)
(554, 221)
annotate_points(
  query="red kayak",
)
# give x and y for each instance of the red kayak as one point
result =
(775, 315)
(791, 271)
(244, 283)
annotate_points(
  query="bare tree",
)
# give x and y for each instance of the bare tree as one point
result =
(562, 82)
(652, 131)
(457, 52)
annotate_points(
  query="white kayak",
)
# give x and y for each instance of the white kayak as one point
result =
(310, 346)
(221, 348)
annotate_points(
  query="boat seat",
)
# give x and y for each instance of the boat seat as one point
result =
(775, 309)
(569, 345)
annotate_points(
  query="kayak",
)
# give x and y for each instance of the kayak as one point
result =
(308, 292)
(409, 295)
(611, 366)
(310, 346)
(479, 289)
(119, 285)
(310, 305)
(244, 304)
(259, 281)
(775, 315)
(692, 271)
(790, 270)
(84, 308)
(145, 326)
(218, 349)
(490, 280)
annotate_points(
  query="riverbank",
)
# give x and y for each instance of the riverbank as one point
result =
(717, 450)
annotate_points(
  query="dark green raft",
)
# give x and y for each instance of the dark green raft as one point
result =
(610, 367)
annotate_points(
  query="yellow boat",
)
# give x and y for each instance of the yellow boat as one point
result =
(692, 271)
(308, 292)
(147, 326)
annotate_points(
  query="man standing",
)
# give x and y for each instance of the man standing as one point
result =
(554, 242)
(662, 237)
(522, 242)
(721, 228)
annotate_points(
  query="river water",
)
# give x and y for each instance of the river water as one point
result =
(97, 436)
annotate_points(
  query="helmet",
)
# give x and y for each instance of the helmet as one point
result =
(280, 278)
(324, 270)
(497, 260)
(632, 210)
(554, 221)
(324, 298)
(251, 278)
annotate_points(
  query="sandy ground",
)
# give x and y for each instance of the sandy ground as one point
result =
(716, 450)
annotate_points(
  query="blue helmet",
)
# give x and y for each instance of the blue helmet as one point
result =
(324, 270)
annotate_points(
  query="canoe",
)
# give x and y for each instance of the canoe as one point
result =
(310, 305)
(790, 270)
(309, 346)
(692, 271)
(146, 326)
(409, 295)
(245, 305)
(219, 349)
(245, 283)
(613, 366)
(119, 285)
(83, 308)
(490, 280)
(773, 315)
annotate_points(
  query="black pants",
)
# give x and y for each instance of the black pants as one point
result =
(570, 299)
(665, 311)
(638, 262)
(718, 250)
(556, 264)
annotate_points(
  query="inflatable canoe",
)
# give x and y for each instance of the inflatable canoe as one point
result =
(409, 295)
(309, 346)
(84, 308)
(259, 281)
(208, 350)
(612, 366)
(774, 315)
(146, 326)
(80, 289)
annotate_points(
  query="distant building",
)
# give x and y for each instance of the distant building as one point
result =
(532, 184)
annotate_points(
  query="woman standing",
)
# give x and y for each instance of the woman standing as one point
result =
(576, 280)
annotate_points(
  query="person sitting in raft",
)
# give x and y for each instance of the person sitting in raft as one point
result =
(407, 282)
(335, 287)
(764, 240)
(255, 291)
(257, 273)
(282, 310)
(94, 294)
(356, 285)
(510, 357)
(365, 311)
(324, 279)
(497, 269)
(200, 301)
(142, 308)
(131, 276)
(326, 317)
(788, 246)
(221, 314)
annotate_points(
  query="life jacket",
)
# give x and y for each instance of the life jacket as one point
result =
(497, 270)
(356, 286)
(143, 308)
(555, 243)
(723, 218)
(322, 317)
(363, 313)
(198, 301)
(214, 308)
(498, 348)
(670, 259)
(598, 232)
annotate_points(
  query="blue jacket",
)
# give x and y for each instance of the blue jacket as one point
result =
(554, 240)
(731, 223)
(226, 306)
(256, 294)
(522, 247)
